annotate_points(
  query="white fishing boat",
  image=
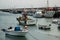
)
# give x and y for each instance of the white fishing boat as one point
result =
(44, 27)
(14, 32)
(55, 21)
(28, 21)
(38, 14)
(49, 11)
(25, 20)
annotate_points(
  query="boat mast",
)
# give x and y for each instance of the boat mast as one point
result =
(47, 3)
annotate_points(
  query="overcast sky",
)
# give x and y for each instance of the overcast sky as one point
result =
(27, 3)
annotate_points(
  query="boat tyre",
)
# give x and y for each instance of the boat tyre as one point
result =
(40, 27)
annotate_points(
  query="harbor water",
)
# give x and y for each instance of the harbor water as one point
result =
(9, 19)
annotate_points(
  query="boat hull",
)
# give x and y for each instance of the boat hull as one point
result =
(49, 14)
(29, 22)
(15, 33)
(37, 15)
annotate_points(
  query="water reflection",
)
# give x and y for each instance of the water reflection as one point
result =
(9, 37)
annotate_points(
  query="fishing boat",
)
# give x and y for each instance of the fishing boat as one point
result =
(24, 20)
(56, 21)
(29, 22)
(49, 11)
(44, 27)
(15, 31)
(38, 14)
